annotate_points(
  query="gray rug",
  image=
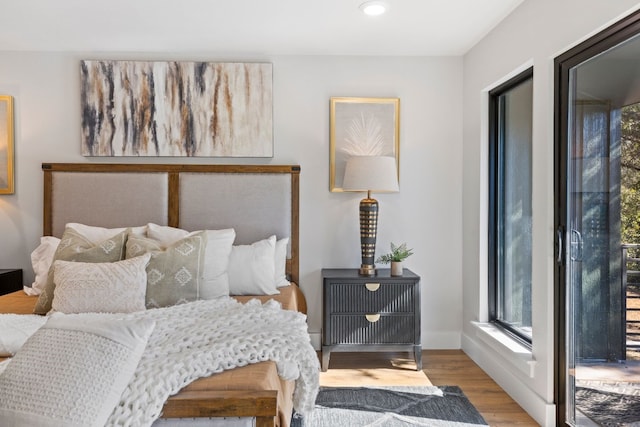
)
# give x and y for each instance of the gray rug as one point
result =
(391, 407)
(608, 408)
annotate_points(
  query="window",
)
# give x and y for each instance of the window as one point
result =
(510, 129)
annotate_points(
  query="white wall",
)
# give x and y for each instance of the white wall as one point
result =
(426, 213)
(534, 34)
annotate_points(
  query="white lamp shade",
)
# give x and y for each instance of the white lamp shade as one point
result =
(371, 173)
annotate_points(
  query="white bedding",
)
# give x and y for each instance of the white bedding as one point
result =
(197, 339)
(15, 329)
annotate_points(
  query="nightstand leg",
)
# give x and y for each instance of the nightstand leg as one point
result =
(326, 355)
(417, 354)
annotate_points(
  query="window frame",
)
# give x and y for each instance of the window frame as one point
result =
(495, 159)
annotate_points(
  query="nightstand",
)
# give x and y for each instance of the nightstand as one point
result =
(379, 313)
(10, 280)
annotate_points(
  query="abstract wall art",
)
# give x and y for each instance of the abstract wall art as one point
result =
(147, 108)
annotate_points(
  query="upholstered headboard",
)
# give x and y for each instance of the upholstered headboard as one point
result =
(257, 201)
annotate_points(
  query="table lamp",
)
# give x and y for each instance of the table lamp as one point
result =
(370, 173)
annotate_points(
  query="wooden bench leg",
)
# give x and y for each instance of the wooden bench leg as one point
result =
(265, 421)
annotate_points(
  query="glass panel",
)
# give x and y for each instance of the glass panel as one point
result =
(602, 230)
(514, 209)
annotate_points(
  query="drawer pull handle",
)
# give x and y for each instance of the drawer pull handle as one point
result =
(372, 286)
(372, 318)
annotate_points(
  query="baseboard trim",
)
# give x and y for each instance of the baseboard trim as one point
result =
(494, 365)
(316, 340)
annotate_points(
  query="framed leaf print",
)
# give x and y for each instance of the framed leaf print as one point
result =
(362, 127)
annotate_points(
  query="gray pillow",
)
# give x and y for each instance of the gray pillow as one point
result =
(174, 272)
(74, 246)
(216, 256)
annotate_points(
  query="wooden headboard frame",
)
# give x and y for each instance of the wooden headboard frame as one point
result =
(170, 191)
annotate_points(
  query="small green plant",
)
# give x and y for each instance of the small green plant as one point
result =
(398, 253)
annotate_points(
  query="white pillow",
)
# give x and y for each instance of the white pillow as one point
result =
(99, 234)
(15, 329)
(103, 287)
(84, 363)
(252, 268)
(216, 255)
(280, 263)
(41, 259)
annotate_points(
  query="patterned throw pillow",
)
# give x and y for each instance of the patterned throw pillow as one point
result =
(216, 255)
(101, 287)
(74, 246)
(174, 273)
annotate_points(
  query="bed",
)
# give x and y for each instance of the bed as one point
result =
(255, 201)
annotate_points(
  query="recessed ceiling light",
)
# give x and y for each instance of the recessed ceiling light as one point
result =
(373, 8)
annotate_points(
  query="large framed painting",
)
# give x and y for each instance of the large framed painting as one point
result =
(147, 108)
(6, 144)
(362, 127)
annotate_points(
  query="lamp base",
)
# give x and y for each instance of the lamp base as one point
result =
(368, 231)
(367, 270)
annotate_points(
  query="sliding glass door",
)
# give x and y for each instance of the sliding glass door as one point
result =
(598, 231)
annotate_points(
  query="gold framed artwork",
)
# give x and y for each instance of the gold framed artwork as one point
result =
(362, 127)
(6, 144)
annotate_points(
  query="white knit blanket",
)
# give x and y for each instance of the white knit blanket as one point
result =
(200, 338)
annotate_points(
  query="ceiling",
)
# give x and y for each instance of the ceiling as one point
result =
(613, 76)
(250, 27)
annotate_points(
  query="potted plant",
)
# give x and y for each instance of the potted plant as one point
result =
(395, 257)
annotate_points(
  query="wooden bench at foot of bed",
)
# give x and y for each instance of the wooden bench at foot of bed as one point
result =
(254, 390)
(263, 405)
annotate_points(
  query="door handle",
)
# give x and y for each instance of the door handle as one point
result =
(560, 237)
(576, 245)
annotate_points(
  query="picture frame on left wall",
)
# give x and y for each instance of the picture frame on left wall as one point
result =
(6, 144)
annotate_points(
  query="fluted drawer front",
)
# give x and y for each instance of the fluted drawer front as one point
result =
(356, 298)
(356, 329)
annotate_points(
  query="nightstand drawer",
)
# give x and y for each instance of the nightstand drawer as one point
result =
(357, 329)
(371, 297)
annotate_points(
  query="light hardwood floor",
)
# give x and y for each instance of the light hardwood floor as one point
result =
(440, 367)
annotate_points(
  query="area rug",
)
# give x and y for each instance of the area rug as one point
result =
(608, 408)
(393, 406)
